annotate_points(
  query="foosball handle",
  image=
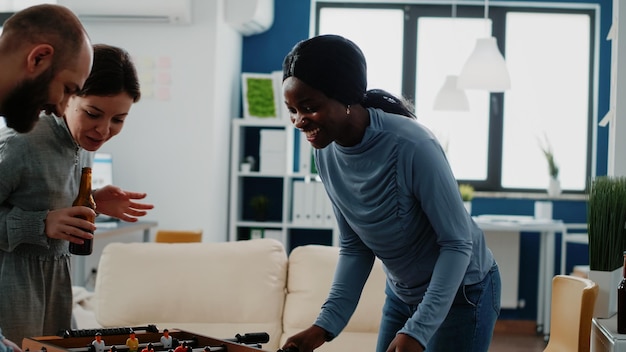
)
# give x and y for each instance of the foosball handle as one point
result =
(252, 338)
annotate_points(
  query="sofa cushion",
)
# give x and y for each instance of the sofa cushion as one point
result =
(213, 289)
(311, 271)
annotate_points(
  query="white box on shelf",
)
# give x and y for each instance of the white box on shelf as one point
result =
(273, 140)
(275, 234)
(272, 162)
(256, 233)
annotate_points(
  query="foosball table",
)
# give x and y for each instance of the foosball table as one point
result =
(149, 338)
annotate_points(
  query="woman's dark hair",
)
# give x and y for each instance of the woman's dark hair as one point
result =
(378, 98)
(113, 72)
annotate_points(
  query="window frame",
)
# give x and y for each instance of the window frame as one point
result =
(497, 13)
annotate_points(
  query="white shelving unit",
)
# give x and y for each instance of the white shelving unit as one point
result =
(277, 185)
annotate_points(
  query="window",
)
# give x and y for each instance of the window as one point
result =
(411, 48)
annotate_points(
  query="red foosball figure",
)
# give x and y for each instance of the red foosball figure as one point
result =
(181, 348)
(148, 348)
(132, 342)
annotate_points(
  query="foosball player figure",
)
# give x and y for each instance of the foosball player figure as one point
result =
(98, 343)
(166, 339)
(182, 348)
(132, 342)
(148, 348)
(113, 349)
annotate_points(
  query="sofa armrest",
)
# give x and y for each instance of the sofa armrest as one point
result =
(311, 271)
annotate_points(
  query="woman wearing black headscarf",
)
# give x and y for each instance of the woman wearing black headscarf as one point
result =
(395, 198)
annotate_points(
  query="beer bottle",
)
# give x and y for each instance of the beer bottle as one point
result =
(621, 302)
(84, 198)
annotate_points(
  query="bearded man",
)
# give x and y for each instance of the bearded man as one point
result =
(45, 56)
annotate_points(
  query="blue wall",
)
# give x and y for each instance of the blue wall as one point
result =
(265, 52)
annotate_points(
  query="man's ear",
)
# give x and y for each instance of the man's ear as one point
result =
(39, 58)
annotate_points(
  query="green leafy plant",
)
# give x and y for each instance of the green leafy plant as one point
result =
(606, 221)
(546, 148)
(260, 204)
(467, 192)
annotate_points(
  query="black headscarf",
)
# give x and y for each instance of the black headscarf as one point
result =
(329, 63)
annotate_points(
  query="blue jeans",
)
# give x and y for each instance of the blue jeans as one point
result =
(468, 325)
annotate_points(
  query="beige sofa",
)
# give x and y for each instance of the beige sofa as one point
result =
(222, 289)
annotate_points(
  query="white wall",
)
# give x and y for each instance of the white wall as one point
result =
(176, 147)
(617, 127)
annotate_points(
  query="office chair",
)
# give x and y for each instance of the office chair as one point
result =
(573, 301)
(178, 236)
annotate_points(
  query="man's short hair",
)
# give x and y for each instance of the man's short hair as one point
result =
(47, 23)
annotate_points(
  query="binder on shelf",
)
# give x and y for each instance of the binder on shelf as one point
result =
(309, 203)
(329, 214)
(297, 202)
(319, 204)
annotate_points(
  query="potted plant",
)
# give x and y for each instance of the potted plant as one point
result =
(606, 221)
(554, 187)
(260, 205)
(467, 194)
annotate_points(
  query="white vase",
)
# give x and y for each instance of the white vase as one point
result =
(554, 187)
(606, 303)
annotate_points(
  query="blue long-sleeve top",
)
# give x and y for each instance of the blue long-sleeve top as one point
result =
(396, 198)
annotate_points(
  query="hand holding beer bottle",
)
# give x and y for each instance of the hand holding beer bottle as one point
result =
(84, 198)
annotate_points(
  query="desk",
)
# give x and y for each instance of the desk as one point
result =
(108, 229)
(604, 336)
(547, 229)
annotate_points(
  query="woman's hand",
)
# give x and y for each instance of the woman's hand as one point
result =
(113, 201)
(306, 340)
(404, 343)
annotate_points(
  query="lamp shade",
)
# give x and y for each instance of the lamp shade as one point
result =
(485, 68)
(451, 98)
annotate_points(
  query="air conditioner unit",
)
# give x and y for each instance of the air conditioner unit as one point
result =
(250, 16)
(170, 11)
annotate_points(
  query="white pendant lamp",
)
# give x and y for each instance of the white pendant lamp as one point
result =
(450, 97)
(485, 68)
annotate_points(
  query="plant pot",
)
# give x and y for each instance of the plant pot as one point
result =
(606, 303)
(554, 187)
(543, 209)
(260, 216)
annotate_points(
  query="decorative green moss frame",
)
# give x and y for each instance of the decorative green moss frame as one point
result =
(259, 96)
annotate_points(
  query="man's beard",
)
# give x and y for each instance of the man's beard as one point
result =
(22, 106)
